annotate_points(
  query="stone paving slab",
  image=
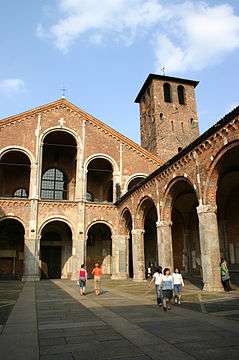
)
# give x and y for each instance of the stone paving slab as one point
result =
(52, 321)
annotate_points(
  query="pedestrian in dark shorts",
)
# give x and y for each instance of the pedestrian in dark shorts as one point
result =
(167, 289)
(82, 279)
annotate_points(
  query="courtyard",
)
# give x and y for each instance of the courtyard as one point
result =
(50, 320)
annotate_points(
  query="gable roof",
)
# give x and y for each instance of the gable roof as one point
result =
(152, 77)
(97, 122)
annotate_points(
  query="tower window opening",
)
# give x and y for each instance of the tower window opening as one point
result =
(182, 126)
(181, 94)
(172, 125)
(167, 92)
(161, 116)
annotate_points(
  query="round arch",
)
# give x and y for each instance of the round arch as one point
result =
(168, 195)
(27, 152)
(213, 174)
(132, 177)
(55, 249)
(105, 222)
(12, 236)
(101, 156)
(126, 221)
(180, 203)
(99, 246)
(55, 218)
(140, 211)
(61, 129)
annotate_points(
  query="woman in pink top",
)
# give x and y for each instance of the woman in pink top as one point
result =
(82, 279)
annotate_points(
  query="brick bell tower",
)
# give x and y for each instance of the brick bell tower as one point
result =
(168, 115)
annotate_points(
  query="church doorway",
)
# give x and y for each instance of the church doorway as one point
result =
(55, 250)
(99, 248)
(11, 249)
(185, 228)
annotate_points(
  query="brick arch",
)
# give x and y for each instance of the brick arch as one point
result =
(101, 156)
(140, 215)
(17, 218)
(56, 218)
(105, 222)
(25, 151)
(122, 225)
(168, 196)
(132, 177)
(210, 189)
(62, 129)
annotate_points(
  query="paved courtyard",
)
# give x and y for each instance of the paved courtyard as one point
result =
(50, 320)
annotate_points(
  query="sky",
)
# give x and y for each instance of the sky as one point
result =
(102, 52)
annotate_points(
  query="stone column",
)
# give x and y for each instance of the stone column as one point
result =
(165, 248)
(31, 246)
(78, 254)
(119, 257)
(138, 254)
(210, 250)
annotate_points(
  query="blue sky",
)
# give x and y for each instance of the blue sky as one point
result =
(103, 50)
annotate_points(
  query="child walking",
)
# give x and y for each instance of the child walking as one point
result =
(167, 289)
(83, 278)
(157, 279)
(178, 284)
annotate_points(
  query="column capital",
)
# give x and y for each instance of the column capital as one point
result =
(163, 223)
(206, 209)
(137, 231)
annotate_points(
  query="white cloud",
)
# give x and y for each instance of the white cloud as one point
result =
(117, 18)
(11, 86)
(190, 35)
(201, 35)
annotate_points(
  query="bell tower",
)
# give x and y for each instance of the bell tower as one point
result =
(168, 115)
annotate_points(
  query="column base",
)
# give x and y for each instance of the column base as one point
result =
(212, 288)
(120, 276)
(31, 278)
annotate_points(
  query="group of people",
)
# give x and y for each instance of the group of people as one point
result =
(168, 287)
(96, 272)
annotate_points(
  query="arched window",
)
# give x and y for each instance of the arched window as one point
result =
(181, 94)
(54, 185)
(167, 92)
(20, 193)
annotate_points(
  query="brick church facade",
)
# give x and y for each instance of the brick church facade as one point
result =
(73, 190)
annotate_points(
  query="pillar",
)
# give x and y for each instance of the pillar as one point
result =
(138, 254)
(165, 248)
(210, 249)
(119, 257)
(78, 254)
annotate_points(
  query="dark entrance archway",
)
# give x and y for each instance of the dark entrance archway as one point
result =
(55, 250)
(11, 249)
(127, 218)
(185, 228)
(99, 248)
(228, 206)
(100, 181)
(150, 218)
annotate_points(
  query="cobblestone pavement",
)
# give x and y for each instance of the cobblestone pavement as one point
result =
(123, 323)
(9, 292)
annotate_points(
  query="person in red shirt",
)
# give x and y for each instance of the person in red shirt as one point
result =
(97, 273)
(82, 279)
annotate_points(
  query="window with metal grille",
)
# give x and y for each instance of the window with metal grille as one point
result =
(20, 193)
(54, 185)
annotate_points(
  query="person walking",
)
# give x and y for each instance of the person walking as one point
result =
(82, 279)
(97, 273)
(157, 279)
(167, 289)
(177, 284)
(225, 277)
